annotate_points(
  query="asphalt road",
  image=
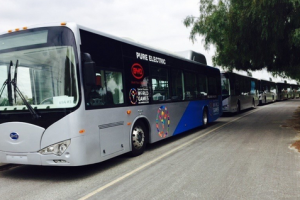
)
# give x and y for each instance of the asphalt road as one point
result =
(244, 156)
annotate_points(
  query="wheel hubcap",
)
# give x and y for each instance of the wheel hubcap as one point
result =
(138, 137)
(204, 118)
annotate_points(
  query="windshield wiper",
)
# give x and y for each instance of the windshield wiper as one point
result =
(15, 80)
(16, 89)
(7, 82)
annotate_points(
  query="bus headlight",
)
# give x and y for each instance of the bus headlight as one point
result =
(56, 149)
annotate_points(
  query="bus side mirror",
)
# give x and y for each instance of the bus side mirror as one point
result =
(89, 70)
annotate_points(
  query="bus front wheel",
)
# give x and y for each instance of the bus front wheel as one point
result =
(138, 139)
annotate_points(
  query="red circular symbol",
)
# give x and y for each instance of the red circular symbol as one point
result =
(137, 71)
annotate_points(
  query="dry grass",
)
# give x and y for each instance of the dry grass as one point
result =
(296, 145)
(295, 124)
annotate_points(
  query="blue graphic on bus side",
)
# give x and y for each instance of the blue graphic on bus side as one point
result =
(192, 117)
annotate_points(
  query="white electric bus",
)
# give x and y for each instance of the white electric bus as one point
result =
(267, 92)
(74, 96)
(283, 91)
(295, 90)
(239, 92)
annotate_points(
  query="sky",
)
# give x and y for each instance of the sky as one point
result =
(152, 22)
(157, 23)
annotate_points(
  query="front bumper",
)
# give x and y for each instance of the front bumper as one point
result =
(35, 159)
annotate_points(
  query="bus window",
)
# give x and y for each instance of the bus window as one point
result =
(238, 86)
(202, 84)
(212, 85)
(177, 85)
(114, 84)
(253, 86)
(191, 85)
(265, 88)
(225, 86)
(160, 83)
(273, 88)
(108, 89)
(245, 86)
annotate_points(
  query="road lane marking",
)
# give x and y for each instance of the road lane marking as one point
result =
(161, 157)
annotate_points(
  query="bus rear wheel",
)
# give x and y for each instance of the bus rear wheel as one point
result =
(204, 118)
(138, 139)
(238, 107)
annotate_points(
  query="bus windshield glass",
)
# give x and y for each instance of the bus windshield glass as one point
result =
(40, 66)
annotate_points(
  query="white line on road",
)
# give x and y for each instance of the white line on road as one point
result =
(160, 157)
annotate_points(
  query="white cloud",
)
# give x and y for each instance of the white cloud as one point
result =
(156, 23)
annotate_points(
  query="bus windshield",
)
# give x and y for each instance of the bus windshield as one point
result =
(43, 71)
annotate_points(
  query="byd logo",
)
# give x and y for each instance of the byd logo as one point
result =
(137, 71)
(14, 136)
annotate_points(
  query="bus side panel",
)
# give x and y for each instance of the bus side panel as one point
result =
(164, 118)
(230, 104)
(215, 109)
(246, 101)
(192, 117)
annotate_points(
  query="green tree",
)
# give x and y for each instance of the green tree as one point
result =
(251, 34)
(4, 102)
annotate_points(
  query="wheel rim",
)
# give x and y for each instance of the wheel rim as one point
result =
(138, 137)
(204, 118)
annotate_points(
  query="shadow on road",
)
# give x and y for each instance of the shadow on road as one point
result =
(228, 114)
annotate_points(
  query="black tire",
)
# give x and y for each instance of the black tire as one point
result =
(138, 139)
(238, 108)
(204, 118)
